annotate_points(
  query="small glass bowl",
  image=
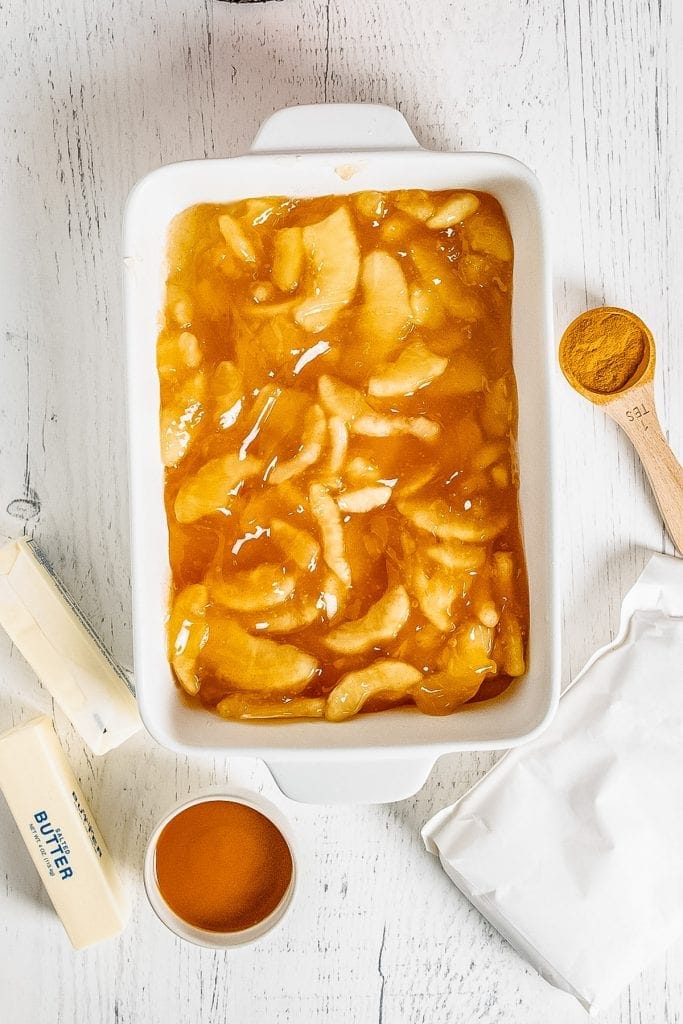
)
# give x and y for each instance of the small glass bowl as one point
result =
(202, 936)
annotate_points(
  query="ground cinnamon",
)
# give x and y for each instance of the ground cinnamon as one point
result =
(222, 866)
(603, 350)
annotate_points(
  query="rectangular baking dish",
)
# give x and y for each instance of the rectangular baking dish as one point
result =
(310, 151)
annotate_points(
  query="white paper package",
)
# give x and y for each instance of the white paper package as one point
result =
(572, 846)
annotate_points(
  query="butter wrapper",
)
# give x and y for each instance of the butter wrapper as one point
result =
(60, 833)
(63, 650)
(571, 845)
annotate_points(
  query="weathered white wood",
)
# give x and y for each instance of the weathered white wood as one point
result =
(92, 95)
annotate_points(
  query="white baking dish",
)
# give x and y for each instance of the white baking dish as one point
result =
(309, 151)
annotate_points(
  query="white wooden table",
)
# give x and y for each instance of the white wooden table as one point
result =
(92, 96)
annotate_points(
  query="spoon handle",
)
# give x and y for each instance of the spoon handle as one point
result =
(636, 414)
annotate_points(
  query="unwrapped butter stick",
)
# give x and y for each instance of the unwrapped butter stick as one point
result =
(62, 649)
(60, 833)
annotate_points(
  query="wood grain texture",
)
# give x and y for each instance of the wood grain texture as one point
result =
(92, 96)
(636, 414)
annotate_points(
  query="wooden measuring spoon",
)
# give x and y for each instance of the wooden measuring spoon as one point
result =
(632, 403)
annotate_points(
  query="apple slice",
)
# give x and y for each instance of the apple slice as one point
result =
(382, 622)
(454, 211)
(386, 315)
(213, 488)
(334, 259)
(437, 273)
(415, 368)
(386, 678)
(288, 258)
(254, 663)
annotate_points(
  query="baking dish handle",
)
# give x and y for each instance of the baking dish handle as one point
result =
(334, 127)
(376, 781)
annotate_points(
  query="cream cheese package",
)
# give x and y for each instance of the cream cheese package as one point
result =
(62, 649)
(60, 833)
(571, 846)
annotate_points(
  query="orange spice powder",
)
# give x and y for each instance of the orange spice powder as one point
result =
(222, 866)
(603, 351)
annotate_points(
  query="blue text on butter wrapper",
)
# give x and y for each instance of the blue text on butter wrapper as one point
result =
(55, 846)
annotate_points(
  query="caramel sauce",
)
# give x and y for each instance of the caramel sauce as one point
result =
(222, 866)
(241, 360)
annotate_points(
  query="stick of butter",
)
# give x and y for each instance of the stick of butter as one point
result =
(63, 650)
(60, 833)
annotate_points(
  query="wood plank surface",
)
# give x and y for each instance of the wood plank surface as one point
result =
(94, 95)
